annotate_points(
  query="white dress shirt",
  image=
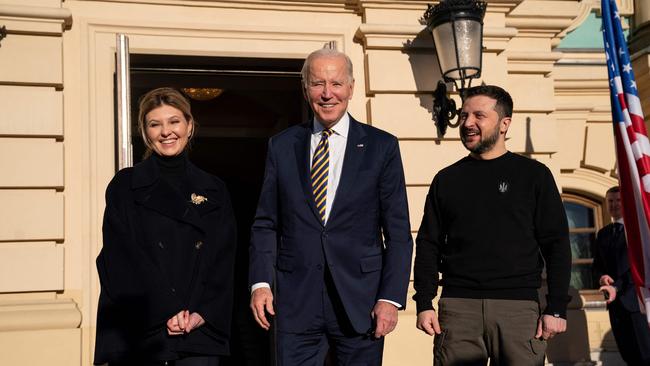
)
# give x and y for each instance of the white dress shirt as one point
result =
(337, 142)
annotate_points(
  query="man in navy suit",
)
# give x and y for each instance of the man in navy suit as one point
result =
(612, 269)
(331, 234)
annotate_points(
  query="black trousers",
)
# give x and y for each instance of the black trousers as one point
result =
(631, 333)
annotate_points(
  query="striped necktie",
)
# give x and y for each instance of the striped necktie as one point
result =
(320, 172)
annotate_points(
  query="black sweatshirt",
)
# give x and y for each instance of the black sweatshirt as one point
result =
(488, 227)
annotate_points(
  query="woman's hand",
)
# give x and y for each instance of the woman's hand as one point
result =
(184, 322)
(176, 324)
(195, 321)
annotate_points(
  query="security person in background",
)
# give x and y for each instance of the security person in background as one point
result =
(612, 270)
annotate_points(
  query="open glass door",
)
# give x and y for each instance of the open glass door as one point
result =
(123, 93)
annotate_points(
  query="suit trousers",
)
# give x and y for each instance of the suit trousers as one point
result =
(331, 330)
(475, 330)
(631, 333)
(187, 361)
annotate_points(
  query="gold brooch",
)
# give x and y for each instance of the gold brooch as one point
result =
(198, 199)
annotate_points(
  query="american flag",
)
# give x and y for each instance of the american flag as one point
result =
(632, 150)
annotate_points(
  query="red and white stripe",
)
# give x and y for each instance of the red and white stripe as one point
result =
(633, 152)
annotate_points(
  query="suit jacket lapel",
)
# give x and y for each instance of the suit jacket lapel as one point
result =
(354, 152)
(301, 147)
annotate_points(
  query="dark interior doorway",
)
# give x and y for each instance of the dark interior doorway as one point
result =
(258, 98)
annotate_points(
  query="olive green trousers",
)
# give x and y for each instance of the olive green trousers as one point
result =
(475, 330)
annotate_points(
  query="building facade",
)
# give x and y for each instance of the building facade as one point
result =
(59, 123)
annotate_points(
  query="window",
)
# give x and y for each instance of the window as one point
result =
(585, 218)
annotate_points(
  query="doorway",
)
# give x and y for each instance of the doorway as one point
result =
(242, 102)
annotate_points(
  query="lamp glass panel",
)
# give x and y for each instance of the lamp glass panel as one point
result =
(468, 47)
(445, 49)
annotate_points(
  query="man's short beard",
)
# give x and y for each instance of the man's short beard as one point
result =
(484, 145)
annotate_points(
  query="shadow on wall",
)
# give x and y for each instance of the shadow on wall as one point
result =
(529, 140)
(424, 66)
(609, 355)
(571, 347)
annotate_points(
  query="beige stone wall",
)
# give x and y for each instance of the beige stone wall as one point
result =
(57, 134)
(35, 312)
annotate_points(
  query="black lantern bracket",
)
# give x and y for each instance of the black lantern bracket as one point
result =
(3, 33)
(444, 108)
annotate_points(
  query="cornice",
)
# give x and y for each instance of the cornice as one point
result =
(597, 181)
(538, 26)
(583, 58)
(586, 111)
(39, 314)
(392, 4)
(337, 6)
(38, 13)
(575, 86)
(503, 6)
(392, 36)
(582, 107)
(494, 6)
(535, 56)
(553, 20)
(585, 9)
(532, 62)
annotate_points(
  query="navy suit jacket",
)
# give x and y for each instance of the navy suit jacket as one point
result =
(611, 259)
(290, 246)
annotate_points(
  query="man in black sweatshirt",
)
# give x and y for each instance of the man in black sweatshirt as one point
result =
(491, 222)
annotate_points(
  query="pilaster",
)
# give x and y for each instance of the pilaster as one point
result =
(35, 313)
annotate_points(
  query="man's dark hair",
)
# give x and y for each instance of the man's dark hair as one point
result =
(614, 189)
(504, 100)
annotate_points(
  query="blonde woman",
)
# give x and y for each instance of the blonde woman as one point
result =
(166, 266)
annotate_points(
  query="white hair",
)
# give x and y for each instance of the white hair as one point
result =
(322, 53)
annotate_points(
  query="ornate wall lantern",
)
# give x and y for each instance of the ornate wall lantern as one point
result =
(457, 30)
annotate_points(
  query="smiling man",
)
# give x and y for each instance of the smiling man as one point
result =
(491, 221)
(331, 234)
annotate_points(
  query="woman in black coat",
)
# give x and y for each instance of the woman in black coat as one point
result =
(166, 266)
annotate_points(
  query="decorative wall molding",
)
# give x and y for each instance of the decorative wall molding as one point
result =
(390, 36)
(532, 62)
(552, 20)
(39, 314)
(284, 5)
(37, 13)
(585, 9)
(587, 181)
